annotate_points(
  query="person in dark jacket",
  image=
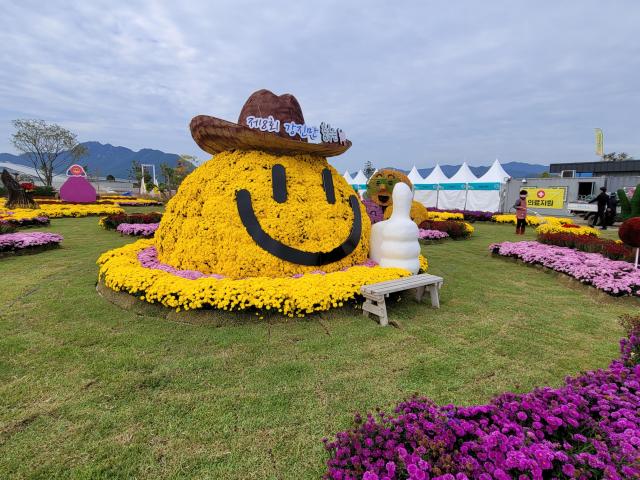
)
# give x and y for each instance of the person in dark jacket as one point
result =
(603, 201)
(612, 207)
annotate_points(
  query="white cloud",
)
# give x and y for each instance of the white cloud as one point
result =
(415, 82)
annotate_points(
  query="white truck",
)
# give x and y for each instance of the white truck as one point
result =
(585, 210)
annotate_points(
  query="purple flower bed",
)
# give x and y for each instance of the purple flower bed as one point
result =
(373, 210)
(424, 234)
(20, 241)
(612, 276)
(138, 229)
(469, 215)
(587, 429)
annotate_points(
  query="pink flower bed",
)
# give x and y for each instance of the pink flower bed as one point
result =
(612, 276)
(148, 258)
(138, 229)
(21, 241)
(425, 234)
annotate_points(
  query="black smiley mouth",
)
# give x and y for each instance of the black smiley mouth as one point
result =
(291, 254)
(383, 198)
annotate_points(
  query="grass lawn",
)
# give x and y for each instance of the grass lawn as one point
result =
(91, 391)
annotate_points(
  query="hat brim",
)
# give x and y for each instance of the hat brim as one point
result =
(214, 135)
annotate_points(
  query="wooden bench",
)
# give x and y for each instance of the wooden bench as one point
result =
(375, 293)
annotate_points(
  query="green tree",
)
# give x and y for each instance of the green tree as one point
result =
(44, 144)
(135, 173)
(173, 176)
(545, 175)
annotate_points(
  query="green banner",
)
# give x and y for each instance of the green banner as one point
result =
(485, 186)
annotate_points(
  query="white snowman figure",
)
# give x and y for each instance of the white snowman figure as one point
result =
(394, 242)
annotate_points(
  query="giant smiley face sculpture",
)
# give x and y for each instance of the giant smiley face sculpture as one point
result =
(267, 203)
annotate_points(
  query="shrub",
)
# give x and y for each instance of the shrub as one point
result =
(630, 207)
(44, 191)
(456, 230)
(111, 222)
(629, 231)
(6, 227)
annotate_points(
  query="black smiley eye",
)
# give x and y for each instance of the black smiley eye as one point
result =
(279, 183)
(327, 184)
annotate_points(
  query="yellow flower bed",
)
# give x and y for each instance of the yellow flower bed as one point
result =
(121, 270)
(78, 210)
(54, 210)
(201, 228)
(533, 220)
(559, 228)
(442, 216)
(20, 214)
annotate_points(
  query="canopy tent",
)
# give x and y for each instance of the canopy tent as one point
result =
(347, 177)
(359, 182)
(484, 193)
(453, 194)
(415, 176)
(427, 192)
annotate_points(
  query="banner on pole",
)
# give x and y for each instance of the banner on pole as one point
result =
(599, 142)
(546, 197)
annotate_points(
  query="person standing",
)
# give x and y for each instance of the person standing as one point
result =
(521, 212)
(603, 201)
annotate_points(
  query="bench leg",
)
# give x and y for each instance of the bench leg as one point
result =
(376, 306)
(435, 298)
(419, 293)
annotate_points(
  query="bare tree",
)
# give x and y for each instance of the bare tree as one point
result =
(44, 144)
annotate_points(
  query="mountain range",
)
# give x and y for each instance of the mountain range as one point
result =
(105, 159)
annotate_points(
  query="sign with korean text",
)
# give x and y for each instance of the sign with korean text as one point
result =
(326, 133)
(553, 197)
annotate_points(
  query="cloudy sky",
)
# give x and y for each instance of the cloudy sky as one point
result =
(409, 82)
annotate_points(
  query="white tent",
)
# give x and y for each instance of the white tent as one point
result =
(484, 193)
(428, 191)
(347, 176)
(415, 176)
(359, 182)
(454, 191)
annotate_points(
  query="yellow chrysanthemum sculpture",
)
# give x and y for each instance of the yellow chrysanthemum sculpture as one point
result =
(265, 224)
(203, 226)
